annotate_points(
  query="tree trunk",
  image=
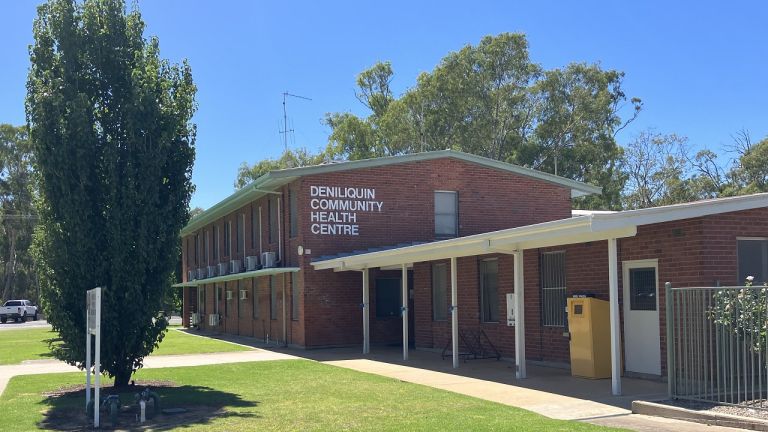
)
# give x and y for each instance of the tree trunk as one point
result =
(122, 377)
(10, 266)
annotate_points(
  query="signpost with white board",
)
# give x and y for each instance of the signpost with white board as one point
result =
(93, 327)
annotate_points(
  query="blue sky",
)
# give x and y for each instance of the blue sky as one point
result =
(700, 68)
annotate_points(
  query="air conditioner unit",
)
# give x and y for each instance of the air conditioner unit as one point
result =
(211, 271)
(213, 320)
(252, 263)
(229, 295)
(191, 275)
(243, 295)
(268, 259)
(223, 269)
(201, 273)
(234, 266)
(194, 319)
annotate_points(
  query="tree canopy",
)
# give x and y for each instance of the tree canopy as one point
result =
(17, 215)
(492, 100)
(113, 144)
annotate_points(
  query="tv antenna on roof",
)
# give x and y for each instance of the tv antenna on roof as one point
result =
(285, 129)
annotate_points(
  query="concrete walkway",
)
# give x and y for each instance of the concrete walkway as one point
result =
(549, 404)
(550, 392)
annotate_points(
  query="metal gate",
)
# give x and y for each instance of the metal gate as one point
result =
(716, 344)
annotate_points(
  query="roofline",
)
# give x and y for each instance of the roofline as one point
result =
(579, 229)
(274, 179)
(237, 276)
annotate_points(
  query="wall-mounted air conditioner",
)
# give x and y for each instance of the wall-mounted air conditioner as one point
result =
(252, 263)
(191, 275)
(211, 271)
(223, 269)
(213, 320)
(229, 295)
(243, 295)
(194, 319)
(268, 259)
(235, 266)
(201, 273)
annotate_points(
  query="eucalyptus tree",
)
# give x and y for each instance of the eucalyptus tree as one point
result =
(113, 143)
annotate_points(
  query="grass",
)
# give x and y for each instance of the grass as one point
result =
(287, 395)
(29, 344)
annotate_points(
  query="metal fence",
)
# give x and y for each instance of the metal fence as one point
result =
(716, 344)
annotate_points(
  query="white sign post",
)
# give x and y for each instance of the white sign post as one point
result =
(93, 327)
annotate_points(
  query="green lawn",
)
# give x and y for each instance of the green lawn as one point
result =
(29, 344)
(285, 395)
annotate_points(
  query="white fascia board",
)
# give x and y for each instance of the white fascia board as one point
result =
(479, 244)
(239, 276)
(676, 212)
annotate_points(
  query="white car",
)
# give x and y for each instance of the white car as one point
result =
(19, 310)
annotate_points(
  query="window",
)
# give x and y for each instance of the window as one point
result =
(255, 228)
(439, 292)
(489, 290)
(272, 210)
(201, 301)
(294, 296)
(218, 299)
(241, 234)
(446, 214)
(207, 239)
(216, 245)
(255, 285)
(293, 212)
(553, 291)
(272, 297)
(228, 239)
(197, 249)
(387, 297)
(642, 288)
(753, 260)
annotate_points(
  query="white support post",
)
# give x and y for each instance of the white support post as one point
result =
(96, 400)
(519, 285)
(405, 310)
(366, 313)
(454, 315)
(613, 297)
(87, 365)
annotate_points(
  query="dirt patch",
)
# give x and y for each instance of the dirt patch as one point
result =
(749, 409)
(202, 404)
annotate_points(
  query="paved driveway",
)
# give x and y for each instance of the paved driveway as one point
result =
(10, 325)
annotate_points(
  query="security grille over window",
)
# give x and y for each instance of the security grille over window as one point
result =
(553, 289)
(642, 289)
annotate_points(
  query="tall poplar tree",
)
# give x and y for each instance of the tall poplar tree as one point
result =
(113, 143)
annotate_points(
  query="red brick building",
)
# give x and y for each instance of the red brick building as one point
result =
(316, 257)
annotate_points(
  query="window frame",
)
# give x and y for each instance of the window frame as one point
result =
(455, 214)
(228, 239)
(216, 241)
(563, 288)
(740, 275)
(438, 309)
(240, 233)
(483, 296)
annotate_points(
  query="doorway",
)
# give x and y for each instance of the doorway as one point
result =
(642, 342)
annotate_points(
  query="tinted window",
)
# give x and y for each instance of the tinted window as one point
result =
(489, 290)
(753, 260)
(642, 289)
(446, 214)
(12, 303)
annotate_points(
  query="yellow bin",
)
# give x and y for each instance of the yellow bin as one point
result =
(589, 326)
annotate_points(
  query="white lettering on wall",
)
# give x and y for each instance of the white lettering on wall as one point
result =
(335, 208)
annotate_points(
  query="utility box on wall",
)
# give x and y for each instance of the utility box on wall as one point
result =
(511, 309)
(589, 326)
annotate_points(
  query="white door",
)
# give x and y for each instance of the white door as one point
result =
(642, 345)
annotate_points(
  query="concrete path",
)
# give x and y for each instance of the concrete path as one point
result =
(545, 403)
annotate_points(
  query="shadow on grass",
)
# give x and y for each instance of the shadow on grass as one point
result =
(66, 407)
